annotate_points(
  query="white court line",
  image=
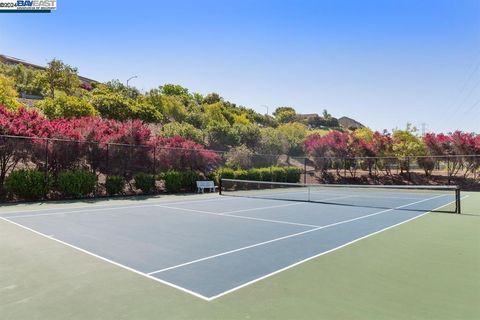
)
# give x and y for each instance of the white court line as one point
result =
(226, 214)
(192, 292)
(323, 253)
(107, 260)
(286, 237)
(15, 214)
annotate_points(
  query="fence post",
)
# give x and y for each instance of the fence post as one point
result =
(305, 170)
(409, 169)
(154, 159)
(448, 169)
(46, 167)
(107, 171)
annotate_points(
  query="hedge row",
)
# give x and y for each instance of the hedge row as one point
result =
(34, 184)
(275, 174)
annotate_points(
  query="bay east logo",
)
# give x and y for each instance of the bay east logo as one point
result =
(37, 4)
(28, 5)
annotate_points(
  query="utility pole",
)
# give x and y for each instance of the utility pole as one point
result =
(424, 128)
(133, 77)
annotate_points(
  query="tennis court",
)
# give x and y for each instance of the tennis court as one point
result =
(213, 246)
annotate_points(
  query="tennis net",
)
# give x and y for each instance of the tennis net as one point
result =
(402, 197)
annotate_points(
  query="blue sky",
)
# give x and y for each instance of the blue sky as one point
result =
(382, 62)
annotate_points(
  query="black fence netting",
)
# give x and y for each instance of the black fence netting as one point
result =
(51, 157)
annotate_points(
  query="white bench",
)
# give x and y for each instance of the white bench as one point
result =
(202, 185)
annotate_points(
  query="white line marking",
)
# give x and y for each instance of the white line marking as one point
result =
(88, 210)
(323, 253)
(263, 208)
(189, 291)
(108, 260)
(242, 217)
(211, 197)
(287, 237)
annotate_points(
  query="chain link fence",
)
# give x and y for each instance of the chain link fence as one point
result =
(53, 156)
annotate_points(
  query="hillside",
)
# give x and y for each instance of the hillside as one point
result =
(349, 123)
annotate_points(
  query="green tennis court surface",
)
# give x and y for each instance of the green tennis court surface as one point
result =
(424, 269)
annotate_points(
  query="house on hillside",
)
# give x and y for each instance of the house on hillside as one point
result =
(349, 123)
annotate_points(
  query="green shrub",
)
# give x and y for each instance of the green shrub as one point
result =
(176, 181)
(189, 180)
(265, 174)
(144, 182)
(213, 176)
(241, 174)
(114, 185)
(28, 184)
(293, 174)
(226, 173)
(279, 174)
(63, 106)
(76, 183)
(173, 181)
(254, 174)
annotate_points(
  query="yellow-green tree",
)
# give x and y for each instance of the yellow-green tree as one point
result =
(8, 94)
(63, 106)
(407, 144)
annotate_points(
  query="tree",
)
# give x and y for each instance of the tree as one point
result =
(8, 94)
(248, 135)
(220, 136)
(173, 90)
(270, 145)
(170, 106)
(63, 106)
(239, 157)
(212, 98)
(114, 106)
(18, 123)
(146, 112)
(325, 149)
(184, 130)
(25, 79)
(173, 108)
(285, 114)
(461, 148)
(406, 144)
(314, 121)
(59, 75)
(294, 134)
(271, 141)
(177, 153)
(215, 113)
(118, 87)
(241, 119)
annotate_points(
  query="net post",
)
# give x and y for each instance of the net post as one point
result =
(220, 186)
(457, 201)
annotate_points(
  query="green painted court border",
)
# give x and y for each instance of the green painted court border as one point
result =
(425, 269)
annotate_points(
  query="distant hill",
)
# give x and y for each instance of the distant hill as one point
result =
(348, 123)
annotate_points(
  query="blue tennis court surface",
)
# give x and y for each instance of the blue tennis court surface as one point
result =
(217, 245)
